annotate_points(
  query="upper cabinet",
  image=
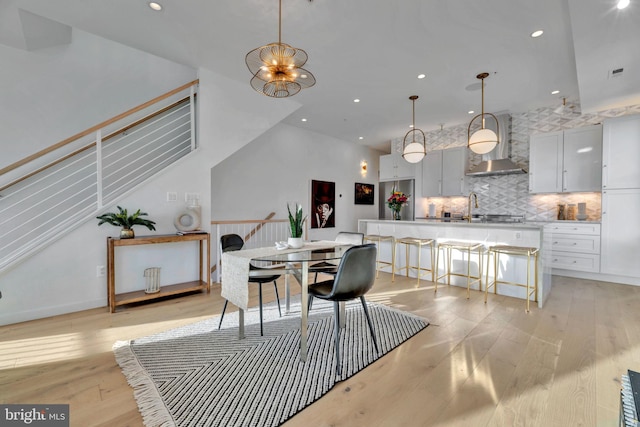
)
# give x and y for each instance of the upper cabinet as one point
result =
(393, 167)
(443, 173)
(621, 152)
(566, 161)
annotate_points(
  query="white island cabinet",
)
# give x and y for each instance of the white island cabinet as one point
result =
(513, 268)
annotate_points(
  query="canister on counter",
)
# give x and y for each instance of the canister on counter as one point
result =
(571, 212)
(561, 211)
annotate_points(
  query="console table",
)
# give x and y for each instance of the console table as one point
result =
(204, 282)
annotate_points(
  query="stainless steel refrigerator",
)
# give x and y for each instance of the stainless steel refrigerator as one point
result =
(407, 186)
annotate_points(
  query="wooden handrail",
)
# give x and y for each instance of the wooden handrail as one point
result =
(261, 223)
(95, 128)
(92, 144)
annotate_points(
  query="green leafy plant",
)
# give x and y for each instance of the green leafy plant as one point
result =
(296, 222)
(126, 221)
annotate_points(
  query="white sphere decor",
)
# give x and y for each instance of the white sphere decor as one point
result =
(483, 141)
(413, 152)
(188, 219)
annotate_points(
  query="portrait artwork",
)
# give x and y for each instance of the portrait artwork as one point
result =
(323, 202)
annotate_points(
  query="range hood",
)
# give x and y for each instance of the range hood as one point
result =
(497, 161)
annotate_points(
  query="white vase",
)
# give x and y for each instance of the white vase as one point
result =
(295, 242)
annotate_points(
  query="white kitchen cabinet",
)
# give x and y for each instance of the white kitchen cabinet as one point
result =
(566, 161)
(393, 166)
(621, 152)
(432, 174)
(545, 162)
(443, 173)
(574, 246)
(620, 232)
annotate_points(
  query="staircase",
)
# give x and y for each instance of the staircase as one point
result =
(47, 193)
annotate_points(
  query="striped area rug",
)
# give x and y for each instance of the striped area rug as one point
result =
(200, 376)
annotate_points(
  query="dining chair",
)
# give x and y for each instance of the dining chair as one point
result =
(354, 278)
(346, 237)
(233, 242)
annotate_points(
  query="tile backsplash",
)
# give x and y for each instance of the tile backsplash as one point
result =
(509, 194)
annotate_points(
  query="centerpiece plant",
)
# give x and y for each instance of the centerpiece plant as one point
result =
(123, 219)
(296, 222)
(396, 201)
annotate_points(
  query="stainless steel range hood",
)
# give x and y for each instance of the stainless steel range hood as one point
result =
(497, 161)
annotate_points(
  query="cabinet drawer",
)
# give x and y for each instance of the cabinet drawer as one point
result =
(578, 262)
(575, 228)
(575, 243)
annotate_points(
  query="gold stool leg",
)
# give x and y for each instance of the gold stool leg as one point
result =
(419, 269)
(448, 266)
(528, 274)
(487, 283)
(433, 273)
(393, 261)
(468, 273)
(437, 269)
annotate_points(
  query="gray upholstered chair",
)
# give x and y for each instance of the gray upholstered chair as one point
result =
(355, 276)
(233, 242)
(346, 237)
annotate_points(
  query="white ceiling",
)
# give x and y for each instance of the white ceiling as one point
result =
(374, 49)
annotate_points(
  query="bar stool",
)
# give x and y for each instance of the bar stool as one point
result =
(418, 243)
(463, 247)
(378, 239)
(513, 251)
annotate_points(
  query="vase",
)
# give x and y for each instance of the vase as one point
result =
(396, 215)
(295, 242)
(127, 233)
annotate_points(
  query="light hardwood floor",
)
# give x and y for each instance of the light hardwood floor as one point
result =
(475, 365)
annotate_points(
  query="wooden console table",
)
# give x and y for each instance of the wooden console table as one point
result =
(115, 299)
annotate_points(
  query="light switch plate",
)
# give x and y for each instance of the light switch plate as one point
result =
(172, 196)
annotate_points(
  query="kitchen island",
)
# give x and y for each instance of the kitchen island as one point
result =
(511, 268)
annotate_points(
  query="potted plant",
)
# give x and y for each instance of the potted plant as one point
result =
(295, 223)
(126, 221)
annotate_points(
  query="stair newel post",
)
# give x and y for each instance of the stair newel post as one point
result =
(99, 167)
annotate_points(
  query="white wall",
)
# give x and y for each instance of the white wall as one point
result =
(61, 278)
(277, 168)
(53, 93)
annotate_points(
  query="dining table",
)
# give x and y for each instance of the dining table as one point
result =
(291, 262)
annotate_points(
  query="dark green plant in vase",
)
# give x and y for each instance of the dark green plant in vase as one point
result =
(296, 221)
(126, 221)
(295, 224)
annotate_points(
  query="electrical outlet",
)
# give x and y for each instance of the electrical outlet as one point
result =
(100, 271)
(172, 196)
(518, 235)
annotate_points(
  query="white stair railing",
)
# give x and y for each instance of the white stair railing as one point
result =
(44, 195)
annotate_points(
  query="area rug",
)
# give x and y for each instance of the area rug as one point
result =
(198, 375)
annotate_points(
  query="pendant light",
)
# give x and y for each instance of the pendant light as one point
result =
(483, 140)
(277, 67)
(416, 149)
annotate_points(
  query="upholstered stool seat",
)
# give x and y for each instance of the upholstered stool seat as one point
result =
(418, 243)
(530, 253)
(464, 247)
(378, 240)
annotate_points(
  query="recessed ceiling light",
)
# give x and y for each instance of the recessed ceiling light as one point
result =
(356, 100)
(471, 111)
(622, 4)
(155, 6)
(303, 120)
(361, 137)
(537, 33)
(422, 76)
(555, 92)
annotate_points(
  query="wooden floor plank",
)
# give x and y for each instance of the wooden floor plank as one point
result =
(477, 364)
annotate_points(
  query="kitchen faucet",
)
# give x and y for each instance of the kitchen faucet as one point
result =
(471, 195)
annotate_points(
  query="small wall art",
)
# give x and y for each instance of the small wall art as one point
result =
(364, 194)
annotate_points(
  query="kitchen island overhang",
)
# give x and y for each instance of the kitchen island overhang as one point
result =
(489, 234)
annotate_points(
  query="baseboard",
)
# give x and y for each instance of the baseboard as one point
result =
(24, 316)
(625, 280)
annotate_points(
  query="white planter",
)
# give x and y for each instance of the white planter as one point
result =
(295, 242)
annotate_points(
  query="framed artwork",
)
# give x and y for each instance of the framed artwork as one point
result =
(364, 194)
(323, 204)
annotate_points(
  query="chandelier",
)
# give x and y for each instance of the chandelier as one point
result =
(483, 140)
(415, 150)
(277, 67)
